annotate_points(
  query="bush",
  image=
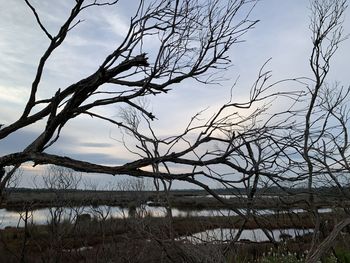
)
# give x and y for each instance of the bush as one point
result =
(343, 255)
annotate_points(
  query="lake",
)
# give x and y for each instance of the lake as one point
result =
(43, 216)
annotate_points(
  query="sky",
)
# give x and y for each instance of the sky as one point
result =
(282, 35)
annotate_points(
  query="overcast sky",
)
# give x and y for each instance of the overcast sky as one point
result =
(282, 34)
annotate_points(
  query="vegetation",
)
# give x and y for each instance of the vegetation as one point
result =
(246, 147)
(98, 239)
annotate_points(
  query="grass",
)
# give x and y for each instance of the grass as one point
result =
(343, 255)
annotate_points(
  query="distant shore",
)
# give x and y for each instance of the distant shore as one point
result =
(21, 199)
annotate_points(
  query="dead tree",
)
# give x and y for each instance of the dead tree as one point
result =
(325, 134)
(190, 41)
(307, 142)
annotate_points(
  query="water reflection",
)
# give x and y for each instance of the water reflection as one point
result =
(255, 235)
(42, 216)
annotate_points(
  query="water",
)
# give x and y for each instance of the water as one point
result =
(255, 235)
(43, 216)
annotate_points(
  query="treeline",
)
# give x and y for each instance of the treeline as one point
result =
(270, 191)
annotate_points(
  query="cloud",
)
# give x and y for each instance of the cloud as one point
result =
(85, 146)
(95, 144)
(282, 34)
(67, 145)
(13, 95)
(115, 22)
(17, 141)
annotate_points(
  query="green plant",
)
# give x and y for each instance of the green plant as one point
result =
(282, 257)
(343, 255)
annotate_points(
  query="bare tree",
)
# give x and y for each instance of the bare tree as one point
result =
(60, 178)
(326, 147)
(306, 144)
(242, 144)
(192, 41)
